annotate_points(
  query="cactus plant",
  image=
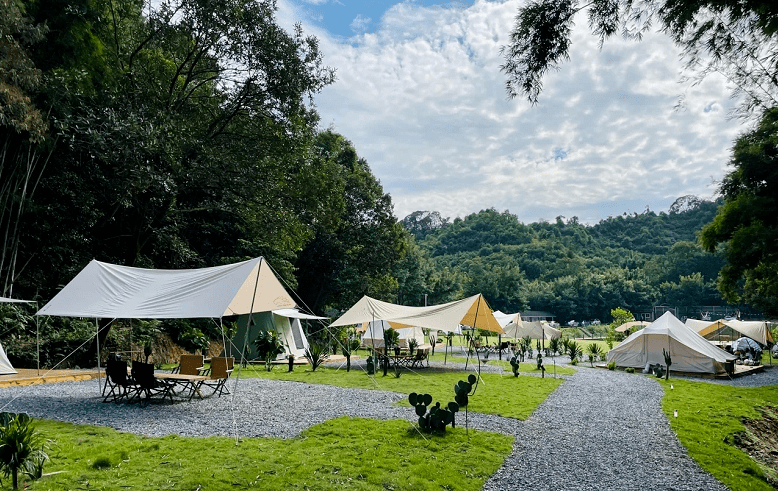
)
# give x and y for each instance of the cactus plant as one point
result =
(668, 362)
(370, 365)
(436, 420)
(462, 394)
(515, 365)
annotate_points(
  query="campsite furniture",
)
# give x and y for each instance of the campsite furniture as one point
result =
(184, 381)
(418, 358)
(190, 365)
(221, 368)
(147, 383)
(116, 379)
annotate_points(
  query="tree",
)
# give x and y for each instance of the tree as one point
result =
(738, 39)
(746, 226)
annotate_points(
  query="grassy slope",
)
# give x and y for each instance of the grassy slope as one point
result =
(344, 453)
(708, 414)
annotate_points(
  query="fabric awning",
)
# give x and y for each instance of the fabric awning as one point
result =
(103, 290)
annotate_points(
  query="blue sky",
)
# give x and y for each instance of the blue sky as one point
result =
(420, 95)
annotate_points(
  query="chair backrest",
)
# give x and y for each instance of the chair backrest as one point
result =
(189, 364)
(421, 354)
(220, 367)
(143, 374)
(117, 371)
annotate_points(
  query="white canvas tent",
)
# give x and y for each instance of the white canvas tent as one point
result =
(724, 330)
(472, 311)
(5, 365)
(286, 325)
(690, 352)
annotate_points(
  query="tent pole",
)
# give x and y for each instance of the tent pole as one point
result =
(38, 339)
(97, 340)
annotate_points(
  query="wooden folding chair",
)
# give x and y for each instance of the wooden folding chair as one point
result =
(190, 365)
(221, 368)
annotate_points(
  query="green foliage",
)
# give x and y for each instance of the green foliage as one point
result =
(554, 346)
(21, 446)
(574, 351)
(316, 353)
(629, 370)
(391, 338)
(611, 365)
(747, 224)
(594, 351)
(725, 36)
(436, 420)
(268, 346)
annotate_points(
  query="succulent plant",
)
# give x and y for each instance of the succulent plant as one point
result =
(436, 420)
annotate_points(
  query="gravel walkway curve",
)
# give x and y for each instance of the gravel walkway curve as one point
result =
(600, 430)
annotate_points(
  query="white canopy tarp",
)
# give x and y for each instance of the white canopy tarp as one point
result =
(290, 331)
(472, 311)
(535, 330)
(690, 352)
(103, 290)
(730, 330)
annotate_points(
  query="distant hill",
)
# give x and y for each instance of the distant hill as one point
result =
(574, 270)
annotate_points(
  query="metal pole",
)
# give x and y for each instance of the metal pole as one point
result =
(97, 328)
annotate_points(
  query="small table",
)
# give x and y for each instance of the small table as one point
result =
(192, 381)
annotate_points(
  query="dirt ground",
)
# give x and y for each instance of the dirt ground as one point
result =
(760, 441)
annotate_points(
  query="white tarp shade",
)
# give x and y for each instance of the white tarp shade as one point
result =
(103, 290)
(535, 330)
(631, 324)
(507, 319)
(374, 335)
(690, 352)
(472, 311)
(13, 300)
(731, 330)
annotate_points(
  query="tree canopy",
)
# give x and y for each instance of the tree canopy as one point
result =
(736, 38)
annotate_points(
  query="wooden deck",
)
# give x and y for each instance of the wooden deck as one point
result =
(29, 376)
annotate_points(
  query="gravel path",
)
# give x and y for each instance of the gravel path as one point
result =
(600, 430)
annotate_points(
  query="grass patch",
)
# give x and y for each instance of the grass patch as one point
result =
(345, 453)
(708, 417)
(502, 395)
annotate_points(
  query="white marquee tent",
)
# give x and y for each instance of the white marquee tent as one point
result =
(690, 352)
(731, 330)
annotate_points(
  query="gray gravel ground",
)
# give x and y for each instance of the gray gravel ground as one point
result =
(600, 430)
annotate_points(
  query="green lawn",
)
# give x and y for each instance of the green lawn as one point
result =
(708, 416)
(345, 453)
(503, 395)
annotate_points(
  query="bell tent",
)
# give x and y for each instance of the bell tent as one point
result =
(689, 351)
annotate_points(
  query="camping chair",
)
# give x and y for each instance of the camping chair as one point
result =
(420, 357)
(143, 374)
(190, 365)
(220, 371)
(116, 379)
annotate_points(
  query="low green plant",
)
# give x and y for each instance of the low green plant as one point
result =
(269, 347)
(315, 354)
(593, 350)
(612, 365)
(21, 447)
(412, 344)
(553, 346)
(629, 370)
(574, 351)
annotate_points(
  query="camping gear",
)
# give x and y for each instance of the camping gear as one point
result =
(690, 352)
(747, 349)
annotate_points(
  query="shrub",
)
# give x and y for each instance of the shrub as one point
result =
(629, 370)
(612, 365)
(21, 447)
(315, 354)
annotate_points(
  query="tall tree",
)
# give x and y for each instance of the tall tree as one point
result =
(736, 38)
(746, 226)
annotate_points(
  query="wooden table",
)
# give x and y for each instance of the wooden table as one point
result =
(192, 381)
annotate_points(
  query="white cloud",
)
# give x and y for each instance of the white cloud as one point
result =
(423, 100)
(360, 24)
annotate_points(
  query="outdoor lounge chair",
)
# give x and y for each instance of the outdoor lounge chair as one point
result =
(116, 379)
(221, 368)
(147, 383)
(419, 358)
(190, 365)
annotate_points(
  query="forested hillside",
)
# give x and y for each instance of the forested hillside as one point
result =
(573, 270)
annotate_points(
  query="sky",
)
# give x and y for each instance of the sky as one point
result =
(420, 94)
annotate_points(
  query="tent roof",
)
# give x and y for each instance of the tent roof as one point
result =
(13, 300)
(296, 314)
(630, 325)
(507, 319)
(756, 330)
(104, 290)
(472, 311)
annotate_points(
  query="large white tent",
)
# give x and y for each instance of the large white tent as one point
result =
(472, 311)
(286, 325)
(109, 291)
(729, 330)
(690, 352)
(5, 365)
